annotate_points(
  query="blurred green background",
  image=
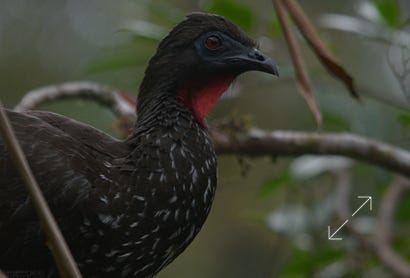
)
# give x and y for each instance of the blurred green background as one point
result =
(266, 221)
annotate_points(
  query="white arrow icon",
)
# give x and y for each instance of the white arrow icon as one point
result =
(368, 198)
(331, 236)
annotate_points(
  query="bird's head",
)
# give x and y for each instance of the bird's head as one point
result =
(198, 61)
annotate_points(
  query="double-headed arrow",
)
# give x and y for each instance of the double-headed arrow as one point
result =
(331, 236)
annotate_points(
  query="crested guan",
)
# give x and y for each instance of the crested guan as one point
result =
(128, 208)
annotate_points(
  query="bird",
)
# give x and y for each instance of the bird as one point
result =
(128, 208)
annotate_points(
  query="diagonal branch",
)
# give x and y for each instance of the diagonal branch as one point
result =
(382, 242)
(60, 250)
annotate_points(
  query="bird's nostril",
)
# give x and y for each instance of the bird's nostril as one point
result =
(260, 57)
(255, 54)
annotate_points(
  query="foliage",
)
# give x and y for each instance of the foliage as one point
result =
(390, 12)
(239, 13)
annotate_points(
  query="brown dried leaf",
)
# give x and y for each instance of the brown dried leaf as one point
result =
(304, 83)
(312, 37)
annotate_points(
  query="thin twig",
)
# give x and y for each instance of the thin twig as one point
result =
(59, 248)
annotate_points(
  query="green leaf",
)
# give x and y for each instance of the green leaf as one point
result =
(239, 13)
(404, 119)
(274, 26)
(300, 264)
(402, 245)
(268, 187)
(334, 122)
(390, 11)
(403, 211)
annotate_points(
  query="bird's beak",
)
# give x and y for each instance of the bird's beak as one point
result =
(262, 62)
(248, 59)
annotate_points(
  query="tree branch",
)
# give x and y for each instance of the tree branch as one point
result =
(256, 142)
(382, 243)
(253, 142)
(118, 102)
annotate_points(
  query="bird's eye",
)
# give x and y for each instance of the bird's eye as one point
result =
(213, 42)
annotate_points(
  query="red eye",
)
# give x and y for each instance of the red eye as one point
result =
(213, 42)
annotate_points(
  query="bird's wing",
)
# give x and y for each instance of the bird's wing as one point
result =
(65, 157)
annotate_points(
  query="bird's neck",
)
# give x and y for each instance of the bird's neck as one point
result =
(199, 96)
(161, 114)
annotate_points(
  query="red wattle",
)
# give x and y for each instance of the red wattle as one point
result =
(201, 99)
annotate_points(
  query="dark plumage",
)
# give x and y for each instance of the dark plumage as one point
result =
(128, 208)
